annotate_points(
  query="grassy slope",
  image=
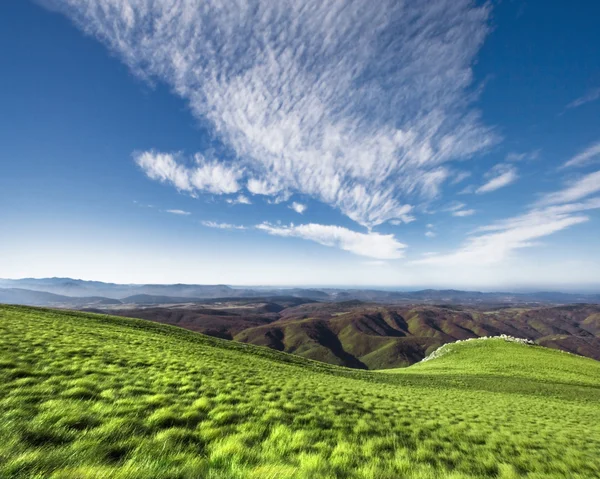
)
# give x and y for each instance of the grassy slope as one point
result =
(88, 396)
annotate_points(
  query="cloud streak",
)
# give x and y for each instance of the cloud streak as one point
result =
(355, 104)
(583, 187)
(222, 226)
(500, 176)
(179, 212)
(456, 208)
(524, 156)
(463, 213)
(591, 96)
(554, 212)
(589, 155)
(371, 245)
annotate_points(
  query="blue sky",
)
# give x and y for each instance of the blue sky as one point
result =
(425, 144)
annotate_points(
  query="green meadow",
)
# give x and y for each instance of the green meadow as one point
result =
(92, 396)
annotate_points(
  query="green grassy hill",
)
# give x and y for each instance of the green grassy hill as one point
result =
(90, 396)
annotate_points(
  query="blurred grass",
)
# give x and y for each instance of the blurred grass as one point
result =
(91, 396)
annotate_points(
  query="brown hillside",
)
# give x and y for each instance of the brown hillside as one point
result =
(361, 335)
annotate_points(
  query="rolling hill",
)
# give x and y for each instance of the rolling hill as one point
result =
(93, 396)
(42, 298)
(373, 336)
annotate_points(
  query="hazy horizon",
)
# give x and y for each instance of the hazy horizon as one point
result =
(571, 289)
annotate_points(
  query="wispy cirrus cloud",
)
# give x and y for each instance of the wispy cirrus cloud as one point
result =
(355, 104)
(589, 97)
(581, 188)
(222, 226)
(179, 212)
(456, 208)
(463, 213)
(523, 156)
(552, 213)
(499, 176)
(460, 176)
(588, 155)
(504, 237)
(372, 245)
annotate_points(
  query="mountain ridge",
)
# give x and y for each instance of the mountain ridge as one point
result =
(84, 288)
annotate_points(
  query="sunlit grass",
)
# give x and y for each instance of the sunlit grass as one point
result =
(88, 396)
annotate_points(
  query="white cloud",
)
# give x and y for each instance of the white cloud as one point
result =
(588, 155)
(552, 213)
(372, 245)
(204, 175)
(239, 200)
(585, 186)
(462, 213)
(494, 243)
(222, 226)
(356, 104)
(501, 175)
(164, 168)
(524, 156)
(431, 182)
(461, 176)
(454, 206)
(179, 212)
(592, 95)
(467, 190)
(519, 232)
(430, 233)
(266, 187)
(298, 207)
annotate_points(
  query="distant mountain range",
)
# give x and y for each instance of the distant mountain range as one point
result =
(78, 293)
(67, 292)
(359, 328)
